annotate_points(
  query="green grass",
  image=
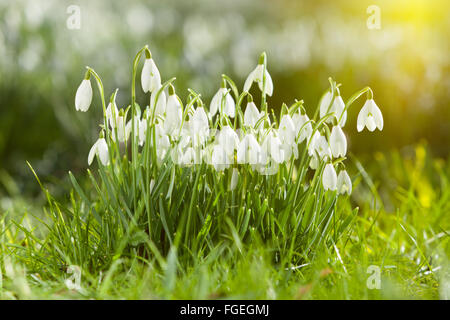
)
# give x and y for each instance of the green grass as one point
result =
(406, 236)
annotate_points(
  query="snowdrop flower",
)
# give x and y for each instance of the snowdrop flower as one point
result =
(257, 76)
(100, 148)
(191, 156)
(137, 130)
(312, 143)
(199, 120)
(228, 103)
(299, 122)
(314, 163)
(344, 183)
(273, 147)
(220, 158)
(370, 116)
(329, 178)
(162, 141)
(160, 106)
(251, 114)
(228, 139)
(320, 145)
(337, 107)
(123, 128)
(174, 113)
(248, 150)
(83, 97)
(266, 120)
(142, 129)
(199, 127)
(234, 179)
(338, 142)
(325, 103)
(150, 77)
(323, 148)
(112, 112)
(286, 129)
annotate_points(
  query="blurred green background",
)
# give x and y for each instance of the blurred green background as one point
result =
(406, 62)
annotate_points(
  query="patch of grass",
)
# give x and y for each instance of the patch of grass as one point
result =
(408, 241)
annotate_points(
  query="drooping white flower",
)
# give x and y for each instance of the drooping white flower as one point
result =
(222, 98)
(338, 142)
(150, 77)
(264, 123)
(272, 148)
(319, 145)
(248, 150)
(199, 127)
(325, 103)
(139, 129)
(191, 156)
(112, 112)
(174, 114)
(314, 163)
(323, 148)
(329, 177)
(199, 120)
(257, 76)
(344, 183)
(303, 128)
(100, 148)
(220, 158)
(160, 106)
(370, 116)
(286, 129)
(234, 179)
(251, 114)
(337, 107)
(83, 97)
(228, 139)
(162, 142)
(312, 143)
(142, 129)
(123, 128)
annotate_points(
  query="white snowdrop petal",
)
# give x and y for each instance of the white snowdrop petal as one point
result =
(251, 114)
(370, 123)
(269, 84)
(229, 106)
(338, 142)
(250, 79)
(83, 97)
(92, 153)
(338, 108)
(102, 151)
(174, 114)
(378, 116)
(146, 75)
(344, 183)
(160, 104)
(329, 178)
(155, 77)
(215, 102)
(248, 150)
(325, 103)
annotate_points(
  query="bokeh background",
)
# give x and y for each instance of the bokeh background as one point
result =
(406, 62)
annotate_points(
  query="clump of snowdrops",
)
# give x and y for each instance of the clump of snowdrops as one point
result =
(197, 178)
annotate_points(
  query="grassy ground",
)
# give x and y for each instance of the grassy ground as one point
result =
(400, 233)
